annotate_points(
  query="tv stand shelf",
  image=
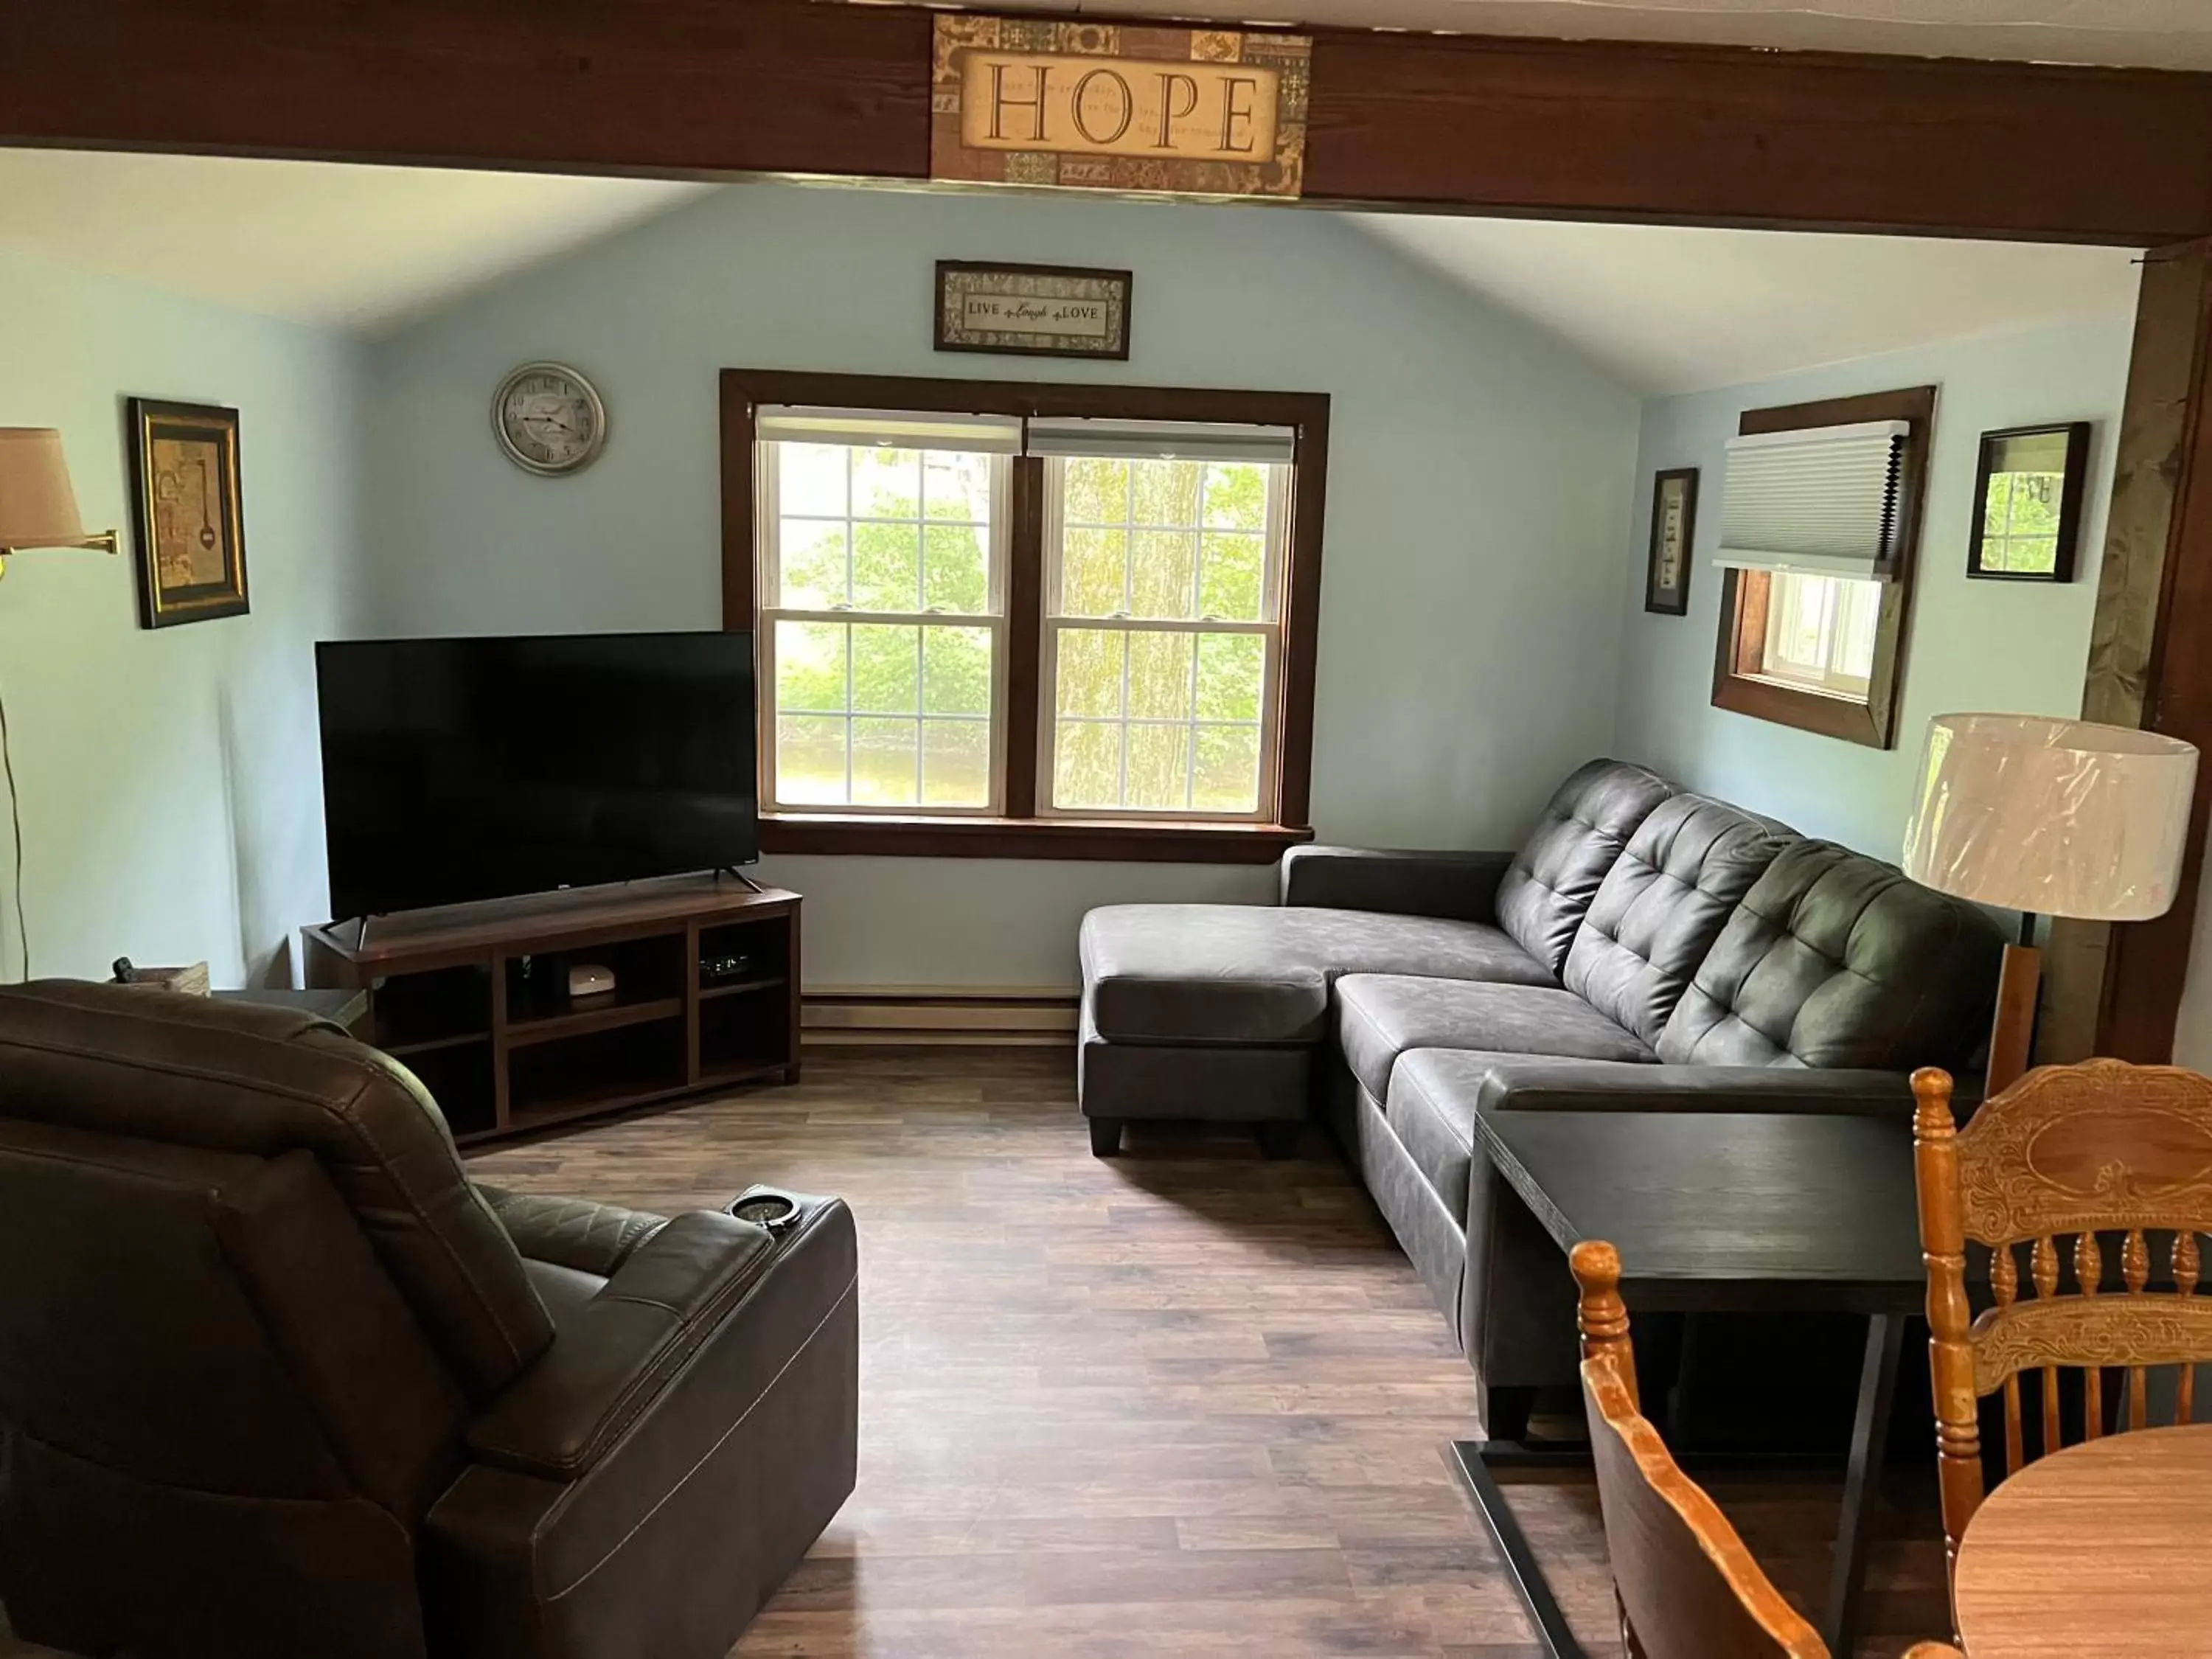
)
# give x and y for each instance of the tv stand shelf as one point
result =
(473, 999)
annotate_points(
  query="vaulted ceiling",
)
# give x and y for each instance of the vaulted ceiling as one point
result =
(341, 246)
(1670, 308)
(1664, 309)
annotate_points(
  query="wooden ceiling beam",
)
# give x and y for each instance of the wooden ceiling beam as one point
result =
(1710, 135)
(1716, 135)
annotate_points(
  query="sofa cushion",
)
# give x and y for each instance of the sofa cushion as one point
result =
(1381, 1015)
(1432, 1109)
(1243, 973)
(1545, 894)
(1663, 904)
(1837, 960)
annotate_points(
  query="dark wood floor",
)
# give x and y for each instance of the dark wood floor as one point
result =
(1183, 1402)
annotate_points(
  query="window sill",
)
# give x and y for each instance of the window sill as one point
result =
(1857, 698)
(1829, 715)
(881, 836)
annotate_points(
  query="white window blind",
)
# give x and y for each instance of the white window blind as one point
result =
(1181, 441)
(890, 428)
(1825, 501)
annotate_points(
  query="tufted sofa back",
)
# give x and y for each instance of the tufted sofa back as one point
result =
(1834, 959)
(1546, 891)
(1663, 904)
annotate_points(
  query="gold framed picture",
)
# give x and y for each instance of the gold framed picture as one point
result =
(188, 508)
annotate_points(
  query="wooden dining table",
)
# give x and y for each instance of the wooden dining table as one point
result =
(2097, 1552)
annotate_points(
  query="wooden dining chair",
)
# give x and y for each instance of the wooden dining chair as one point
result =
(1687, 1588)
(2066, 1152)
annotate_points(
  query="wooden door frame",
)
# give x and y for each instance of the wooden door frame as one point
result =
(1635, 131)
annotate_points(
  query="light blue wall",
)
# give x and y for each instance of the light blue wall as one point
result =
(1972, 645)
(1479, 477)
(169, 781)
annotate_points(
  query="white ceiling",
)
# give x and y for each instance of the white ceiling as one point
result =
(355, 247)
(2155, 33)
(1669, 309)
(1664, 309)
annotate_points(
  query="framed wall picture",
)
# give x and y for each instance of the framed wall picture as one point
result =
(1032, 310)
(188, 508)
(1673, 531)
(2027, 503)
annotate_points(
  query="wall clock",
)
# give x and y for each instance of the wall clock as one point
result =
(549, 419)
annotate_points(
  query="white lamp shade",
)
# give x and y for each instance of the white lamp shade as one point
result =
(2062, 817)
(38, 507)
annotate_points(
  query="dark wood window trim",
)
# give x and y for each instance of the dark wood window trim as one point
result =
(1020, 833)
(1740, 646)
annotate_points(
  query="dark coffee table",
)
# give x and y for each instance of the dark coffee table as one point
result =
(1725, 1212)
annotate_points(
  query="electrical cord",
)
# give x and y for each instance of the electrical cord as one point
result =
(16, 822)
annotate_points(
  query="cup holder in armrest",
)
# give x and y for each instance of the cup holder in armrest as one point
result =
(769, 1207)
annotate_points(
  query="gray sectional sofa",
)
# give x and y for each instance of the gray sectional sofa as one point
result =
(1645, 948)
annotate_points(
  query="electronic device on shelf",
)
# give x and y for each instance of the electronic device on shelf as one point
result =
(724, 967)
(590, 979)
(481, 769)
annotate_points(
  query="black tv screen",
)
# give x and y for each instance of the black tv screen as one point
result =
(461, 769)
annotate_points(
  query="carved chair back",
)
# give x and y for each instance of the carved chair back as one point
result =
(1687, 1588)
(2101, 1175)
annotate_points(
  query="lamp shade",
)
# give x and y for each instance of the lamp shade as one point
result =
(2062, 817)
(38, 507)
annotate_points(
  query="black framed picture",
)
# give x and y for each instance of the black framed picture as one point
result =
(1674, 532)
(2027, 503)
(188, 508)
(1032, 310)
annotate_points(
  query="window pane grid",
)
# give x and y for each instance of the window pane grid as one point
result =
(1162, 648)
(1188, 743)
(915, 532)
(912, 729)
(1113, 512)
(880, 670)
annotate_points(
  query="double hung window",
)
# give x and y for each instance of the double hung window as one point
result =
(1164, 574)
(883, 570)
(1041, 608)
(1814, 637)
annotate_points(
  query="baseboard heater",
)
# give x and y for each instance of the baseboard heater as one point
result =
(940, 1015)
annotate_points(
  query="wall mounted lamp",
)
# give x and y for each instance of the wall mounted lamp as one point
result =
(38, 507)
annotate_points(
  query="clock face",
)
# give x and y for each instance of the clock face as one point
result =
(548, 418)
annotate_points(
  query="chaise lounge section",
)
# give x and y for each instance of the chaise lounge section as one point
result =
(1644, 949)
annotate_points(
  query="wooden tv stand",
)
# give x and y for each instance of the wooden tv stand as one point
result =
(474, 997)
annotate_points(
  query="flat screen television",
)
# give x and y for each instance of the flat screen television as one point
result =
(463, 769)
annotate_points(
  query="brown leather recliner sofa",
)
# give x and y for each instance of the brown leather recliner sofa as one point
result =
(277, 1379)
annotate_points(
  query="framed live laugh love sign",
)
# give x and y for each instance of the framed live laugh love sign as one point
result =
(1082, 106)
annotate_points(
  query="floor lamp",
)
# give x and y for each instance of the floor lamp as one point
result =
(2051, 817)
